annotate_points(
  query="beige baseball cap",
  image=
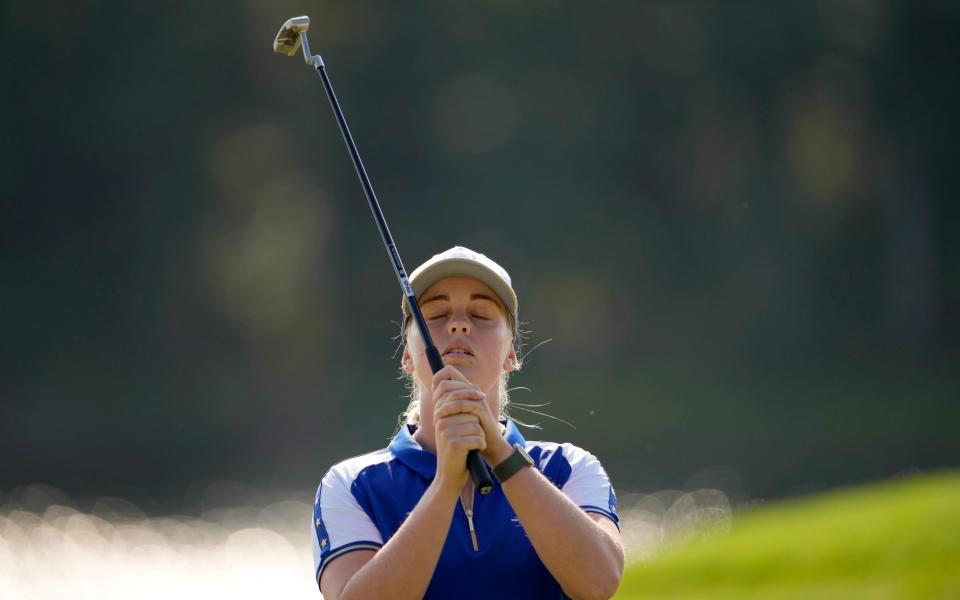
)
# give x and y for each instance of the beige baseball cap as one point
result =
(464, 262)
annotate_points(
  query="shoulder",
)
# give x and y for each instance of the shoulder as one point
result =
(544, 453)
(559, 461)
(560, 455)
(345, 472)
(577, 473)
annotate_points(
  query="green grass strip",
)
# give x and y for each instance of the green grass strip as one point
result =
(897, 539)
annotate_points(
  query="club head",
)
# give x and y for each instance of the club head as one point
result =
(288, 38)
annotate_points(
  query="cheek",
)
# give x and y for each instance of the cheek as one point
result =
(500, 345)
(421, 366)
(413, 348)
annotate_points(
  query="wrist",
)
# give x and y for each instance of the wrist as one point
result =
(497, 452)
(513, 464)
(447, 486)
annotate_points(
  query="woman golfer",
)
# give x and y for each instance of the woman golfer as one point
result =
(405, 521)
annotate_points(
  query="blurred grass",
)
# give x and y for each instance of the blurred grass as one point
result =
(897, 539)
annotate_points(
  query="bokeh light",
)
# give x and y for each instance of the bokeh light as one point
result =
(49, 549)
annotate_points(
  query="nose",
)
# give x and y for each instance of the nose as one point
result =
(459, 325)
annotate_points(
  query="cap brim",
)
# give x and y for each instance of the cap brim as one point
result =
(460, 267)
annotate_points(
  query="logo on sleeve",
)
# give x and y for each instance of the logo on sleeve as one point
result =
(318, 524)
(613, 501)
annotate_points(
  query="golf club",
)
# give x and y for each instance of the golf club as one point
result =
(293, 35)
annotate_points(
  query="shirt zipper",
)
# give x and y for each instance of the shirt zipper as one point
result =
(473, 531)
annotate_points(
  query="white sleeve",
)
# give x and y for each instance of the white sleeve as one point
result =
(588, 485)
(340, 524)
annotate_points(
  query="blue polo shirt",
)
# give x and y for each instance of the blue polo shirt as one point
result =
(362, 501)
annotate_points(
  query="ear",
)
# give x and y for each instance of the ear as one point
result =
(510, 361)
(406, 361)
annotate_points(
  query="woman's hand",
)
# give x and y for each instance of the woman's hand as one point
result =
(463, 422)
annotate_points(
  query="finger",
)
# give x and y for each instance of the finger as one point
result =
(452, 430)
(449, 372)
(467, 443)
(458, 394)
(466, 394)
(450, 381)
(465, 401)
(466, 429)
(456, 419)
(448, 386)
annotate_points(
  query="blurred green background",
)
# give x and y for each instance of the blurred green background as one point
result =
(898, 539)
(735, 222)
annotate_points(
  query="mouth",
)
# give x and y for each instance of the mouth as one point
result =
(455, 350)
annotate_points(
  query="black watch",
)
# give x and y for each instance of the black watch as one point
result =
(513, 463)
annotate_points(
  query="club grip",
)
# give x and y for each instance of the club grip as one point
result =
(482, 479)
(479, 472)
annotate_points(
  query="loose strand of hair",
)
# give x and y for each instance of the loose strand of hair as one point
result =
(526, 355)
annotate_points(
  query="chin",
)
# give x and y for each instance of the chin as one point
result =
(459, 361)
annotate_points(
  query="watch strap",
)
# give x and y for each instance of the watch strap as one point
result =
(512, 464)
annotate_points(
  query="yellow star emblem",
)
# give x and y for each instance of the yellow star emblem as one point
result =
(319, 522)
(323, 543)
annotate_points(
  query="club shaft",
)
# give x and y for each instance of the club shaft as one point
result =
(478, 470)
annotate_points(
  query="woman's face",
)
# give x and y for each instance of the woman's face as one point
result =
(469, 326)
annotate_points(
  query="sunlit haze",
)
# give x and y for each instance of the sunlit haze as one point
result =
(113, 550)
